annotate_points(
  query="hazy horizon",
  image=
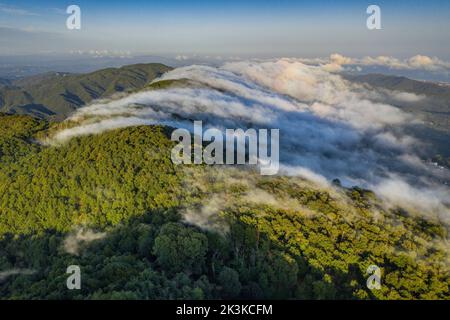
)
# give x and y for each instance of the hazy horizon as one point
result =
(227, 28)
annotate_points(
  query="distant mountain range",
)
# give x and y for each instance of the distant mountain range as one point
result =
(433, 109)
(431, 89)
(57, 94)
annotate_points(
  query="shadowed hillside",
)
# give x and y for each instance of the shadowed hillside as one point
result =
(57, 94)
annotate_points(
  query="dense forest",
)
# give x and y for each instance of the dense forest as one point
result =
(57, 94)
(141, 228)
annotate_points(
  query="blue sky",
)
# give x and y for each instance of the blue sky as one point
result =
(245, 27)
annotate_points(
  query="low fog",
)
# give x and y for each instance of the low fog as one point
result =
(329, 127)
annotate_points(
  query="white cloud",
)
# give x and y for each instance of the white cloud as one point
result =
(12, 272)
(336, 62)
(329, 127)
(12, 10)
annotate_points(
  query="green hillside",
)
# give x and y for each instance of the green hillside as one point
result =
(58, 94)
(115, 205)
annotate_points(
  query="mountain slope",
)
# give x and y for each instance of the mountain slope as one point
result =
(153, 230)
(58, 94)
(434, 107)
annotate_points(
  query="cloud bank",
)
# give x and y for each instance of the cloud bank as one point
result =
(337, 62)
(329, 128)
(75, 240)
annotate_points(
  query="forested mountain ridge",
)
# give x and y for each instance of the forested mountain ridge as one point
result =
(141, 228)
(57, 94)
